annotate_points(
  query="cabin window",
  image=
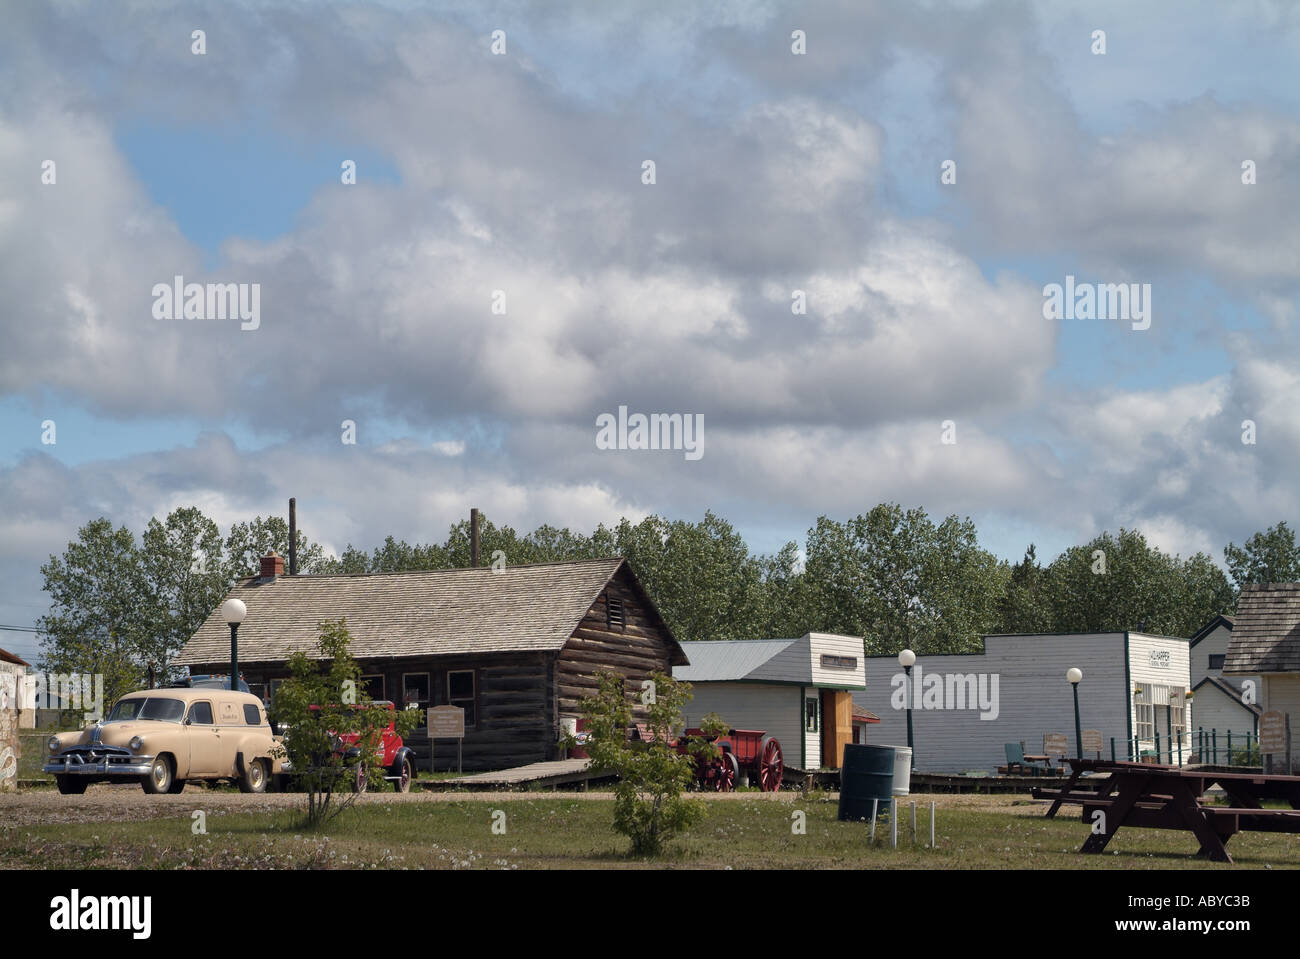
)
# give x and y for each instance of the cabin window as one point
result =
(1216, 660)
(275, 687)
(810, 714)
(252, 715)
(415, 694)
(373, 686)
(615, 614)
(461, 690)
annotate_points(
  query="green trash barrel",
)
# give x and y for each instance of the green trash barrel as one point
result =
(867, 774)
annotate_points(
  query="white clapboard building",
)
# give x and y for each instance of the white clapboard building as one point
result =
(1265, 643)
(1226, 710)
(798, 690)
(966, 708)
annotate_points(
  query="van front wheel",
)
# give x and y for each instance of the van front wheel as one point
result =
(159, 778)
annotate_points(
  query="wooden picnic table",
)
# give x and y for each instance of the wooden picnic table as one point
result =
(1171, 797)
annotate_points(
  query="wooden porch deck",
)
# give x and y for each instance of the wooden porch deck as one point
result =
(559, 772)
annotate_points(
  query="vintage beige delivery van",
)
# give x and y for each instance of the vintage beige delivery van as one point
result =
(163, 738)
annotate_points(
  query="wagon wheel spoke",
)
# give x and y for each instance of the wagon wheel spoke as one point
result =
(726, 773)
(770, 765)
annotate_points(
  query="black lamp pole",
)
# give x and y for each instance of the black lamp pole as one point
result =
(234, 656)
(906, 658)
(234, 611)
(908, 671)
(1078, 728)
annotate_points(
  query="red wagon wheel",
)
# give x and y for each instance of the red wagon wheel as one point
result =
(771, 764)
(728, 772)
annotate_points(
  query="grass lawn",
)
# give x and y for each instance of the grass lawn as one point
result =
(33, 755)
(559, 831)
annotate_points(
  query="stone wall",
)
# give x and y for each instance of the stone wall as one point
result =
(9, 745)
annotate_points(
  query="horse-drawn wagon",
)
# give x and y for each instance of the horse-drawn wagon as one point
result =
(741, 750)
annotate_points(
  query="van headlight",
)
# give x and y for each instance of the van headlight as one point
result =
(135, 743)
(53, 743)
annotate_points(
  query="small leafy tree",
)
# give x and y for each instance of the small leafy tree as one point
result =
(649, 807)
(324, 698)
(1270, 556)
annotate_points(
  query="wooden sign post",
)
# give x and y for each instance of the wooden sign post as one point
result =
(1092, 741)
(1055, 745)
(1275, 737)
(446, 722)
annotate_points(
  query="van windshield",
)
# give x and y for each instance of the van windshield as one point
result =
(161, 708)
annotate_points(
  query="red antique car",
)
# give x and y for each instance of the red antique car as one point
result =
(392, 756)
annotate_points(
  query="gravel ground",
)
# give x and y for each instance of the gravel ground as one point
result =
(104, 803)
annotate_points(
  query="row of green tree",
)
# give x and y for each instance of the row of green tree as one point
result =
(125, 607)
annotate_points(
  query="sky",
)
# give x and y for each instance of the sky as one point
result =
(506, 170)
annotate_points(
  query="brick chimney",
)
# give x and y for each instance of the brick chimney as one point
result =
(272, 565)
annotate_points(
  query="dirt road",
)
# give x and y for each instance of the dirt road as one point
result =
(103, 803)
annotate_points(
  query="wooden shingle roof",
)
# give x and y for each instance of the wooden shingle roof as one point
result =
(523, 608)
(1266, 630)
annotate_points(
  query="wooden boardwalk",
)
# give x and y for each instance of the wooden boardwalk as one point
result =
(567, 772)
(939, 783)
(558, 772)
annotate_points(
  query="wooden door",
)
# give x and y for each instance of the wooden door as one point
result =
(837, 726)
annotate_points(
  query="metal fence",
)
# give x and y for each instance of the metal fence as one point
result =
(1201, 746)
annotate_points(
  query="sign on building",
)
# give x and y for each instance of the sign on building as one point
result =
(1272, 732)
(1055, 744)
(1092, 740)
(839, 662)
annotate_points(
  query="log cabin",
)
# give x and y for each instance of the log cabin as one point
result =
(518, 648)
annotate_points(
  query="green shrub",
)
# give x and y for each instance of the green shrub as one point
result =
(649, 807)
(322, 699)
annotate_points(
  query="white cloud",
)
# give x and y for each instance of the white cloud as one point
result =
(774, 174)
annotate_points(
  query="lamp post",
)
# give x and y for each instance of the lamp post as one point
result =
(906, 659)
(1075, 674)
(233, 612)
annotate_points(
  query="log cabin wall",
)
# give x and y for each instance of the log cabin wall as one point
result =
(634, 650)
(514, 704)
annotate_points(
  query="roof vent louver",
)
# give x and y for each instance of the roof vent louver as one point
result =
(615, 615)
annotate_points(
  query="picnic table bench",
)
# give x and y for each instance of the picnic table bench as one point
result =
(1170, 797)
(1072, 790)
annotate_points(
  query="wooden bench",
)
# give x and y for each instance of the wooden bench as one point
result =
(1237, 819)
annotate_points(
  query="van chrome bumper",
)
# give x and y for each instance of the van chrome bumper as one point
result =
(105, 766)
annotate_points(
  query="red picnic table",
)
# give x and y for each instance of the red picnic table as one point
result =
(1170, 797)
